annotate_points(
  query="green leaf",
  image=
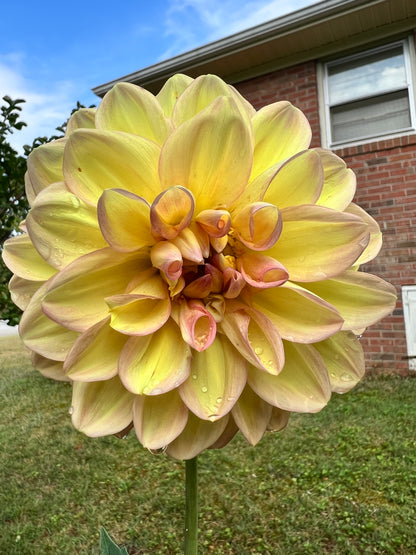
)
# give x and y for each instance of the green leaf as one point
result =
(108, 547)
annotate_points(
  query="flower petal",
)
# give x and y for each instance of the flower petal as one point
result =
(284, 305)
(303, 384)
(44, 166)
(42, 335)
(142, 311)
(21, 257)
(278, 420)
(216, 223)
(84, 118)
(124, 220)
(376, 240)
(101, 408)
(197, 435)
(258, 225)
(208, 153)
(254, 336)
(62, 227)
(197, 325)
(22, 290)
(135, 110)
(171, 212)
(344, 359)
(298, 181)
(317, 243)
(262, 271)
(218, 375)
(339, 181)
(251, 415)
(171, 91)
(280, 131)
(154, 364)
(158, 420)
(204, 90)
(92, 164)
(94, 355)
(75, 296)
(52, 369)
(362, 299)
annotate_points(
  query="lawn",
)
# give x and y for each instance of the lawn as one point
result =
(342, 481)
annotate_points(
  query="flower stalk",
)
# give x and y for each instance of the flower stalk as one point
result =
(191, 507)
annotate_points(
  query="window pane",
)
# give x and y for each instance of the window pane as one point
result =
(367, 76)
(375, 116)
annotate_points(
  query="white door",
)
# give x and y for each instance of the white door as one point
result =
(409, 310)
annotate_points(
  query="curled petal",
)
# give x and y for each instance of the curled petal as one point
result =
(339, 181)
(252, 415)
(142, 311)
(262, 271)
(84, 118)
(21, 257)
(218, 243)
(199, 288)
(94, 355)
(189, 246)
(158, 420)
(234, 283)
(216, 223)
(218, 376)
(101, 408)
(168, 259)
(254, 336)
(124, 220)
(344, 358)
(157, 363)
(303, 384)
(258, 225)
(135, 110)
(197, 435)
(202, 237)
(171, 212)
(217, 278)
(197, 324)
(215, 304)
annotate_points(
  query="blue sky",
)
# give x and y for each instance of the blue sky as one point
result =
(53, 53)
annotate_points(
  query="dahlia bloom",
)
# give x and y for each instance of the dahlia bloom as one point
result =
(191, 265)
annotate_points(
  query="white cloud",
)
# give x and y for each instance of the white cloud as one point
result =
(45, 108)
(191, 23)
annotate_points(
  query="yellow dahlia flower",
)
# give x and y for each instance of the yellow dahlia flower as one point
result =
(191, 266)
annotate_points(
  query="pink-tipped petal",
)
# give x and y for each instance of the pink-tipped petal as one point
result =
(262, 271)
(216, 223)
(171, 212)
(258, 225)
(197, 324)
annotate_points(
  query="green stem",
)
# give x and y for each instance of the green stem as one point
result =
(191, 508)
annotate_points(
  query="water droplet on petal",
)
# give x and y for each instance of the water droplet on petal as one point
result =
(204, 389)
(258, 350)
(346, 377)
(219, 400)
(76, 203)
(194, 376)
(71, 410)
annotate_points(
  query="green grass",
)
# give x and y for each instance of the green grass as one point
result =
(342, 481)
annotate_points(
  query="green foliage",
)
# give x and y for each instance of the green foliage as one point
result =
(340, 482)
(108, 547)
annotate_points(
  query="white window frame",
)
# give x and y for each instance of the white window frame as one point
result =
(323, 92)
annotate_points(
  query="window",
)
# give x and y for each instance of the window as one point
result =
(369, 95)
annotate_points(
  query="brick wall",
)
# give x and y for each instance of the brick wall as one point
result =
(386, 188)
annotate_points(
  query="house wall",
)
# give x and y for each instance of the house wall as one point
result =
(386, 188)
